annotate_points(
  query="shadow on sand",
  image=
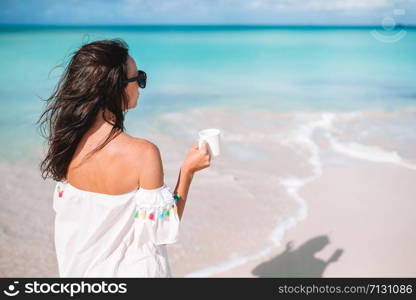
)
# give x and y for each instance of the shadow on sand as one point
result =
(300, 262)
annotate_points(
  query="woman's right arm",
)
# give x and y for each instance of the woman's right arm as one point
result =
(194, 161)
(182, 186)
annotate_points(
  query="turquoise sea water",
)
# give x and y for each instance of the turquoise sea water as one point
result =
(272, 68)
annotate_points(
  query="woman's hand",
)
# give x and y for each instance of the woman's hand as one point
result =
(197, 160)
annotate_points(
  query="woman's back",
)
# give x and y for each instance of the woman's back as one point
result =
(115, 169)
(120, 235)
(124, 227)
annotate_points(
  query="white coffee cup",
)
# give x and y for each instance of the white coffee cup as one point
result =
(212, 137)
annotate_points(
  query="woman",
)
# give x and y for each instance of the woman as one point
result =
(114, 213)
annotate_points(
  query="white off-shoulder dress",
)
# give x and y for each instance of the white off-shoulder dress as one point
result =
(103, 235)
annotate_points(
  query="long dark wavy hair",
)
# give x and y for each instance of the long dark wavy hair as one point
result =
(93, 79)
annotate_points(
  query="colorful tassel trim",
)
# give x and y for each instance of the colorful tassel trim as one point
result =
(155, 214)
(60, 192)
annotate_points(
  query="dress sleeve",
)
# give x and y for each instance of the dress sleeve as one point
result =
(156, 214)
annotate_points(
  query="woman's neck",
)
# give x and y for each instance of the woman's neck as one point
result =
(101, 126)
(109, 120)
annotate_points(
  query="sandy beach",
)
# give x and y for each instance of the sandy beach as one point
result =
(361, 217)
(316, 194)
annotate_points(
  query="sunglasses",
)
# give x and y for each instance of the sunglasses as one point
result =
(140, 78)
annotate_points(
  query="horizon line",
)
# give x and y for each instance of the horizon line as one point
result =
(212, 25)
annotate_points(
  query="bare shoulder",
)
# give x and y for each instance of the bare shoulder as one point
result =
(141, 145)
(151, 168)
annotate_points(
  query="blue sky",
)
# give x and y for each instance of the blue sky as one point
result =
(304, 12)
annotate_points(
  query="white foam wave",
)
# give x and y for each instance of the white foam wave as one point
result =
(366, 152)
